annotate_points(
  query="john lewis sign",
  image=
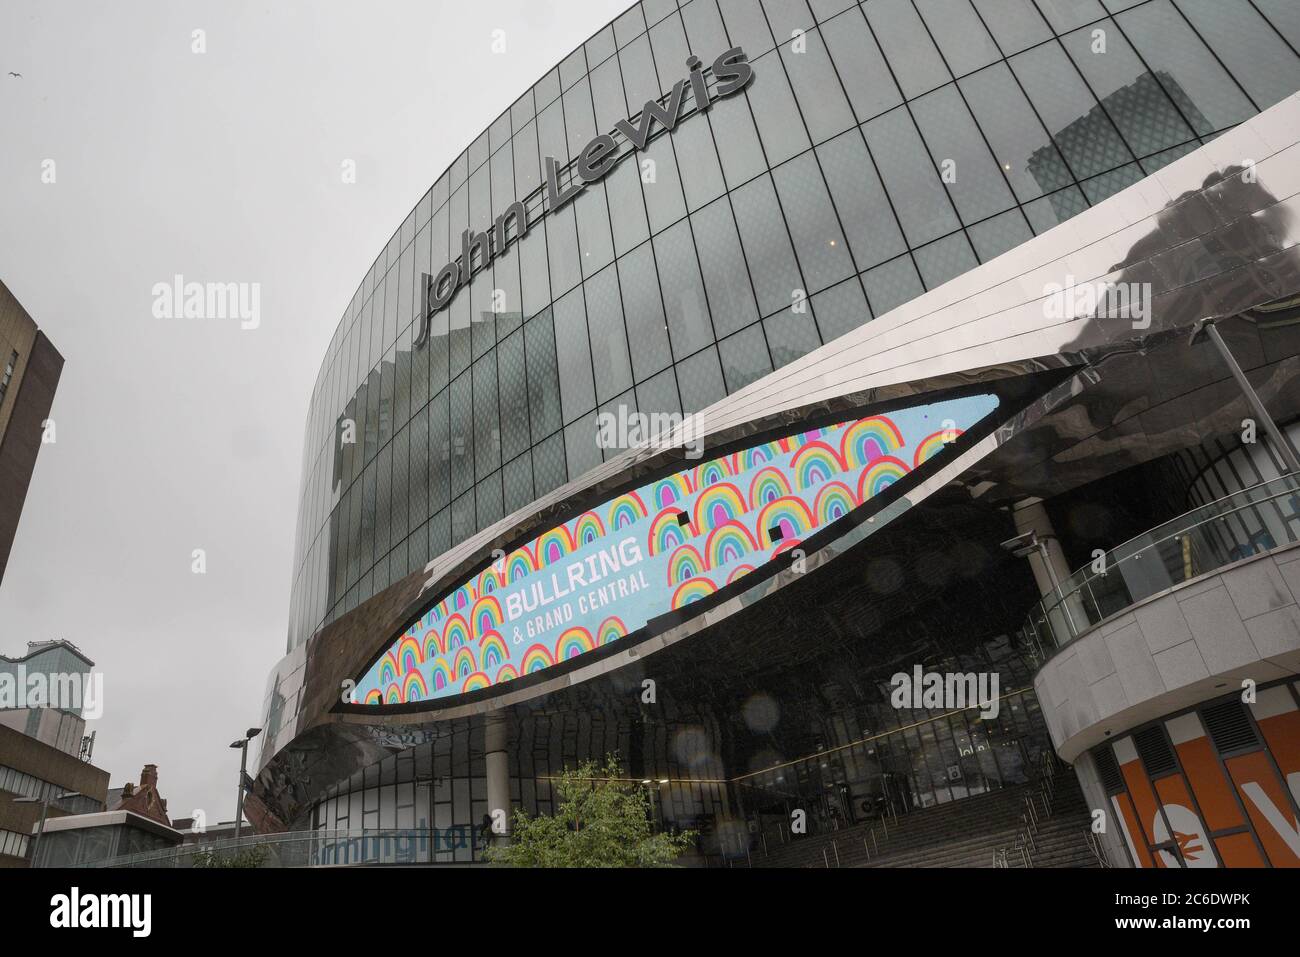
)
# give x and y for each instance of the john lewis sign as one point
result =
(477, 249)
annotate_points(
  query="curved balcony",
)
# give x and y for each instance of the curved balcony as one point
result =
(1245, 523)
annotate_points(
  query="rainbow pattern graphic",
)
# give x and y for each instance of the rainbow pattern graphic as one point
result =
(679, 539)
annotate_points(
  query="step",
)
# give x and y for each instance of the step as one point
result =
(989, 821)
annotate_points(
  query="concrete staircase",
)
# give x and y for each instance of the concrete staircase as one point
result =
(973, 832)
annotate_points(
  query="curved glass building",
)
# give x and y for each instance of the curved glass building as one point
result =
(719, 234)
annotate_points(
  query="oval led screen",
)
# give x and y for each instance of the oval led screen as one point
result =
(608, 572)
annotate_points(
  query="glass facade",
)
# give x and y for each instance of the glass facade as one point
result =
(714, 764)
(881, 150)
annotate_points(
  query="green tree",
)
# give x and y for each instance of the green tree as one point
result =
(248, 857)
(602, 821)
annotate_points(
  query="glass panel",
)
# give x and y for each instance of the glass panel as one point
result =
(534, 273)
(577, 389)
(514, 396)
(1021, 146)
(543, 384)
(978, 187)
(647, 330)
(700, 380)
(1015, 24)
(562, 245)
(774, 107)
(1078, 125)
(656, 10)
(607, 92)
(547, 88)
(659, 393)
(528, 164)
(487, 498)
(1106, 185)
(551, 139)
(733, 127)
(1131, 95)
(704, 29)
(640, 82)
(791, 335)
(1052, 210)
(960, 34)
(787, 16)
(683, 291)
(618, 409)
(816, 87)
(579, 119)
(861, 65)
(747, 26)
(600, 47)
(768, 249)
(891, 285)
(629, 25)
(864, 208)
(911, 180)
(912, 54)
(839, 309)
(462, 435)
(1065, 15)
(581, 451)
(944, 260)
(726, 279)
(1196, 81)
(668, 43)
(818, 242)
(517, 479)
(744, 358)
(487, 433)
(1285, 17)
(626, 206)
(573, 68)
(661, 184)
(995, 236)
(1243, 40)
(609, 353)
(549, 469)
(594, 240)
(439, 452)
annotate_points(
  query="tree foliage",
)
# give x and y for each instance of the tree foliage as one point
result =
(602, 821)
(248, 857)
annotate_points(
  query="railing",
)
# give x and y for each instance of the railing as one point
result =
(1245, 523)
(449, 845)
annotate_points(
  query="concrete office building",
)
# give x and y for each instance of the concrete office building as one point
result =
(923, 277)
(44, 753)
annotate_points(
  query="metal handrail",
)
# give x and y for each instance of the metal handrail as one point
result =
(1097, 847)
(1072, 589)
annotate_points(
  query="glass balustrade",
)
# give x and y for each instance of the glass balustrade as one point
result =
(1246, 523)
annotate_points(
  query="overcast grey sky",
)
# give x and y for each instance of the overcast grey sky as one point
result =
(178, 434)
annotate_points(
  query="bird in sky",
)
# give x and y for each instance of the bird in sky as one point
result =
(12, 73)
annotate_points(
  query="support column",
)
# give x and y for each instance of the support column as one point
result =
(1051, 571)
(1030, 516)
(496, 735)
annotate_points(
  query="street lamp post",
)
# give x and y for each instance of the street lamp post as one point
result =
(1208, 329)
(45, 809)
(242, 745)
